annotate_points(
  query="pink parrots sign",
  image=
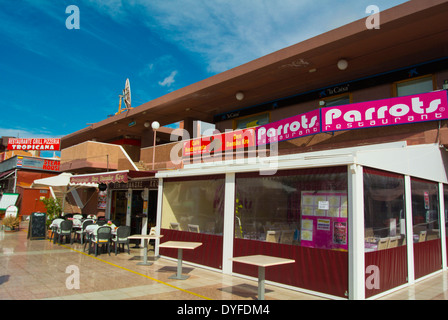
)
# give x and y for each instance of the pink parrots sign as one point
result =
(290, 128)
(429, 106)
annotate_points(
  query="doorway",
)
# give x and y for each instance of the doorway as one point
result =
(136, 211)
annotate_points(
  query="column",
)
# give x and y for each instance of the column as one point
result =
(409, 229)
(442, 225)
(356, 264)
(145, 214)
(228, 228)
(128, 207)
(159, 215)
(108, 203)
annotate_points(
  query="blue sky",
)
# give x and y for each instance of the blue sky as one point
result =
(54, 80)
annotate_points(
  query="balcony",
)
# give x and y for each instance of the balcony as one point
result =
(162, 159)
(91, 156)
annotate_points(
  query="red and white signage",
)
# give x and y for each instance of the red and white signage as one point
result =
(51, 165)
(49, 144)
(221, 142)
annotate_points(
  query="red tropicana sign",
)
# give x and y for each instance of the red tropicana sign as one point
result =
(47, 144)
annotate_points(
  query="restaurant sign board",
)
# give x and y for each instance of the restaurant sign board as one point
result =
(291, 128)
(429, 106)
(49, 144)
(233, 140)
(100, 178)
(38, 163)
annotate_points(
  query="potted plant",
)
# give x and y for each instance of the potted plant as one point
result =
(54, 209)
(10, 223)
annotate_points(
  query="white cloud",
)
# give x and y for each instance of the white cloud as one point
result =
(228, 33)
(168, 81)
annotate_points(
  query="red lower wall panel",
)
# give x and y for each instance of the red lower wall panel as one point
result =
(427, 257)
(320, 270)
(209, 254)
(389, 270)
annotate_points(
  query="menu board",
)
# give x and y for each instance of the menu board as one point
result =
(37, 227)
(324, 219)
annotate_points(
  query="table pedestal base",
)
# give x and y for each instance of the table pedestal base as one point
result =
(145, 255)
(261, 280)
(178, 275)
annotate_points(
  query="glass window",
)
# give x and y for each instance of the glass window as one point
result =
(384, 210)
(425, 210)
(414, 86)
(194, 206)
(300, 207)
(252, 121)
(337, 101)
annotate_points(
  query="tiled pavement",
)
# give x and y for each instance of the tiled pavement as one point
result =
(39, 269)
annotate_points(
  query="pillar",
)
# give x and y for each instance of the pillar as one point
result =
(356, 263)
(229, 220)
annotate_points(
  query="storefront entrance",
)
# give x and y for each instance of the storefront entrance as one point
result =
(134, 204)
(118, 209)
(136, 211)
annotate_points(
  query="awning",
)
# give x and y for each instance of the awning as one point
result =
(110, 177)
(62, 183)
(61, 180)
(6, 174)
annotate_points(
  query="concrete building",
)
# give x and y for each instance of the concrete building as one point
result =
(358, 203)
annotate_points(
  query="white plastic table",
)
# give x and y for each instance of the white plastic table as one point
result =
(262, 262)
(180, 246)
(145, 237)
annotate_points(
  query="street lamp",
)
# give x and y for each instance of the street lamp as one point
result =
(155, 125)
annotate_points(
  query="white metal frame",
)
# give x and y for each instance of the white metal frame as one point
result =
(423, 161)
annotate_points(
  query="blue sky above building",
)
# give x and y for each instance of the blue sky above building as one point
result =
(55, 80)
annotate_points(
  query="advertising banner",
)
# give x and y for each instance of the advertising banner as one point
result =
(290, 128)
(429, 106)
(100, 178)
(50, 144)
(221, 142)
(38, 163)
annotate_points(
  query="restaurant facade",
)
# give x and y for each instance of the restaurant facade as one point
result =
(125, 197)
(17, 173)
(331, 152)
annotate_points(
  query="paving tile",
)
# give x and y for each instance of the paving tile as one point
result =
(38, 270)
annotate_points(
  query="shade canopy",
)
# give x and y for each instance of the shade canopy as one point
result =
(61, 183)
(61, 180)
